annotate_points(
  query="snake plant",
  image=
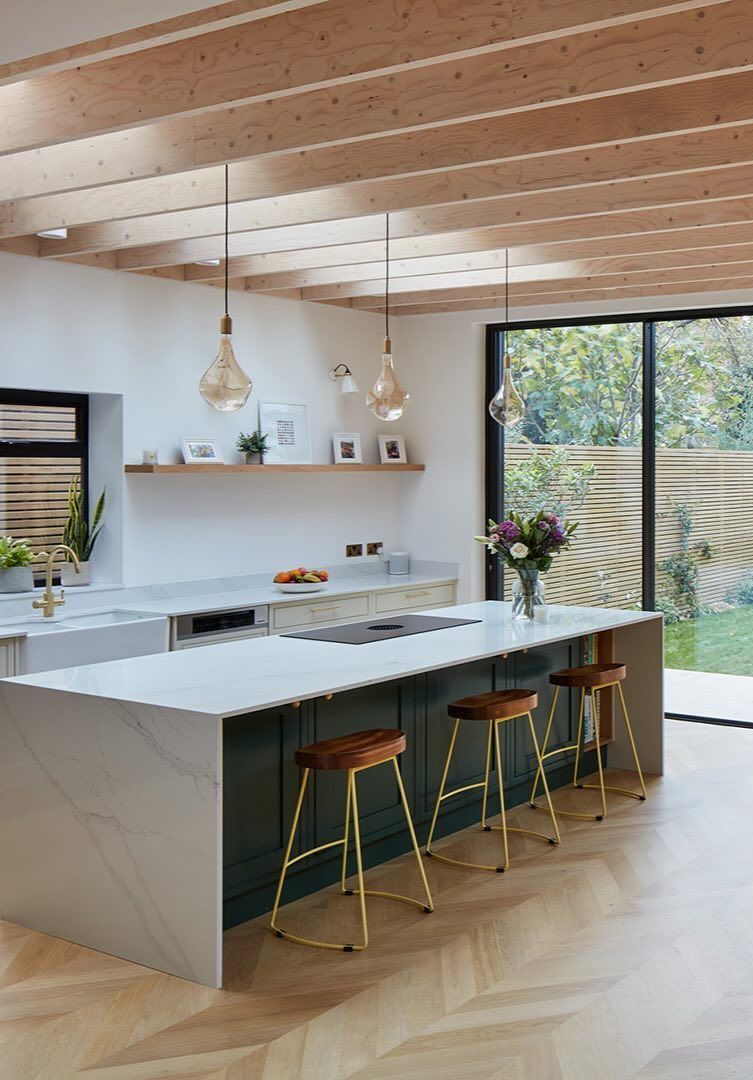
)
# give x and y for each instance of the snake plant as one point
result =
(78, 534)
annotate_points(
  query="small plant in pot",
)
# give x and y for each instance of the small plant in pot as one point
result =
(16, 573)
(253, 446)
(79, 535)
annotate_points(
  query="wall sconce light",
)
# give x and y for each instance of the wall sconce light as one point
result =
(348, 384)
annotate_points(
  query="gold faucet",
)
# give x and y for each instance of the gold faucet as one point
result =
(49, 601)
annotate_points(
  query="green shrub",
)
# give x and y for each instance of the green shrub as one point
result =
(14, 553)
(742, 592)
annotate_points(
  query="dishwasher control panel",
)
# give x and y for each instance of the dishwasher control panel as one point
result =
(212, 627)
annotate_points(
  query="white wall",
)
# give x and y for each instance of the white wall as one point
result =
(80, 329)
(441, 361)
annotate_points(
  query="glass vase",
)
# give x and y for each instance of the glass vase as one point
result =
(528, 599)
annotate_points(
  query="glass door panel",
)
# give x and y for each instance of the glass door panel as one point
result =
(704, 489)
(578, 454)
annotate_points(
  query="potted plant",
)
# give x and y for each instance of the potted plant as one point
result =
(79, 535)
(16, 557)
(253, 446)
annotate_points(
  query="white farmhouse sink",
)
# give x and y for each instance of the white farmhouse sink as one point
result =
(75, 640)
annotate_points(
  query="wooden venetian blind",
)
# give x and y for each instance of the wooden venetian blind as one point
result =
(43, 446)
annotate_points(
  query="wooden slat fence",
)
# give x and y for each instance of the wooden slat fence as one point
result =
(604, 566)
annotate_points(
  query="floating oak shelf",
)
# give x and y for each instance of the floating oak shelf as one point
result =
(349, 467)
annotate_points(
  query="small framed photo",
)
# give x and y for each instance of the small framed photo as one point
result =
(392, 450)
(347, 447)
(287, 429)
(198, 451)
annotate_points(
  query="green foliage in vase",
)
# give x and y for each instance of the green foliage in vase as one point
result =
(252, 442)
(14, 553)
(78, 534)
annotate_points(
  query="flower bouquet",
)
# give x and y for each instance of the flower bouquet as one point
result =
(528, 546)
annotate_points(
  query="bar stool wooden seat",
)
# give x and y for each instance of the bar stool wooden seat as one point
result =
(354, 753)
(588, 678)
(492, 708)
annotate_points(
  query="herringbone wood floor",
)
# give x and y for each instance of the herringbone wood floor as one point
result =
(627, 952)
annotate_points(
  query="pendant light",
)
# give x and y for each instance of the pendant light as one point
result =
(387, 399)
(225, 385)
(506, 407)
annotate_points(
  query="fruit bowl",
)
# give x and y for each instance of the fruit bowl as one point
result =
(301, 580)
(302, 586)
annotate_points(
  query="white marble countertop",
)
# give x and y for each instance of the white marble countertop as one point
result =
(253, 595)
(245, 676)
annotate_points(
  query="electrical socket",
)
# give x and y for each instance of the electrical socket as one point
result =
(374, 548)
(353, 551)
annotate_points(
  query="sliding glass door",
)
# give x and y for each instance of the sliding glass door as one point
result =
(642, 430)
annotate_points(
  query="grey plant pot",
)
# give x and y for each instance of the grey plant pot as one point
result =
(254, 458)
(69, 577)
(17, 579)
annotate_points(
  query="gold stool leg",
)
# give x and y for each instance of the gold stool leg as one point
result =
(600, 787)
(487, 768)
(540, 769)
(429, 906)
(500, 781)
(557, 838)
(638, 769)
(639, 795)
(288, 849)
(425, 905)
(359, 862)
(346, 838)
(579, 739)
(442, 784)
(442, 795)
(576, 746)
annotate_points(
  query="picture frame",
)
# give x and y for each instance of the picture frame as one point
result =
(287, 429)
(346, 447)
(199, 450)
(392, 450)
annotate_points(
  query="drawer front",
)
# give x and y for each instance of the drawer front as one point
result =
(417, 597)
(316, 612)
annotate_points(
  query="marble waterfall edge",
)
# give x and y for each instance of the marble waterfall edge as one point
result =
(110, 827)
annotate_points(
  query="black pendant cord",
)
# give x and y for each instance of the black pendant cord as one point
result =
(227, 197)
(387, 276)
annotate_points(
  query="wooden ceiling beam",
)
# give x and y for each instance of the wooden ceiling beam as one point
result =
(548, 205)
(331, 49)
(663, 155)
(654, 290)
(159, 151)
(139, 37)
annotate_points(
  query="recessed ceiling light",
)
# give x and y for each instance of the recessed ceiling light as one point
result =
(207, 262)
(54, 234)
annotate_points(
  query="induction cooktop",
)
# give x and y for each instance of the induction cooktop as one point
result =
(393, 626)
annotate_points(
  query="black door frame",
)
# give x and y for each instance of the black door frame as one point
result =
(495, 439)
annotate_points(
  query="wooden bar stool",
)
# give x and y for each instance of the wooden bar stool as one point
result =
(493, 709)
(357, 752)
(592, 678)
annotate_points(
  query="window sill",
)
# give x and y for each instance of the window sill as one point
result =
(98, 586)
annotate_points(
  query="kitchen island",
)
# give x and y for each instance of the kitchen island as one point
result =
(144, 803)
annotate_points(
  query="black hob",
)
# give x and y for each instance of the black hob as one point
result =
(393, 626)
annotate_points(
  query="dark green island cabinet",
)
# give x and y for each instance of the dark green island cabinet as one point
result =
(260, 777)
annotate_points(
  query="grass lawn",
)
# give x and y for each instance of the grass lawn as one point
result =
(722, 643)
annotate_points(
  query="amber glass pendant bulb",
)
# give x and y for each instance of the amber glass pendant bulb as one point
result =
(225, 385)
(506, 407)
(387, 399)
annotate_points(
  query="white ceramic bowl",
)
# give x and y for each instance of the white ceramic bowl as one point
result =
(303, 586)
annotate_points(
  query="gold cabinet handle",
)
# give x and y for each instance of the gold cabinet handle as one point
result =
(420, 592)
(329, 607)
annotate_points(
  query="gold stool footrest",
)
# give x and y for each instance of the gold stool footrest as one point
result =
(524, 832)
(617, 790)
(420, 904)
(567, 813)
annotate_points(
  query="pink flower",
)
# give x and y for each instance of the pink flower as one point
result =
(494, 538)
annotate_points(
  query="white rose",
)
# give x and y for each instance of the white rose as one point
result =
(518, 551)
